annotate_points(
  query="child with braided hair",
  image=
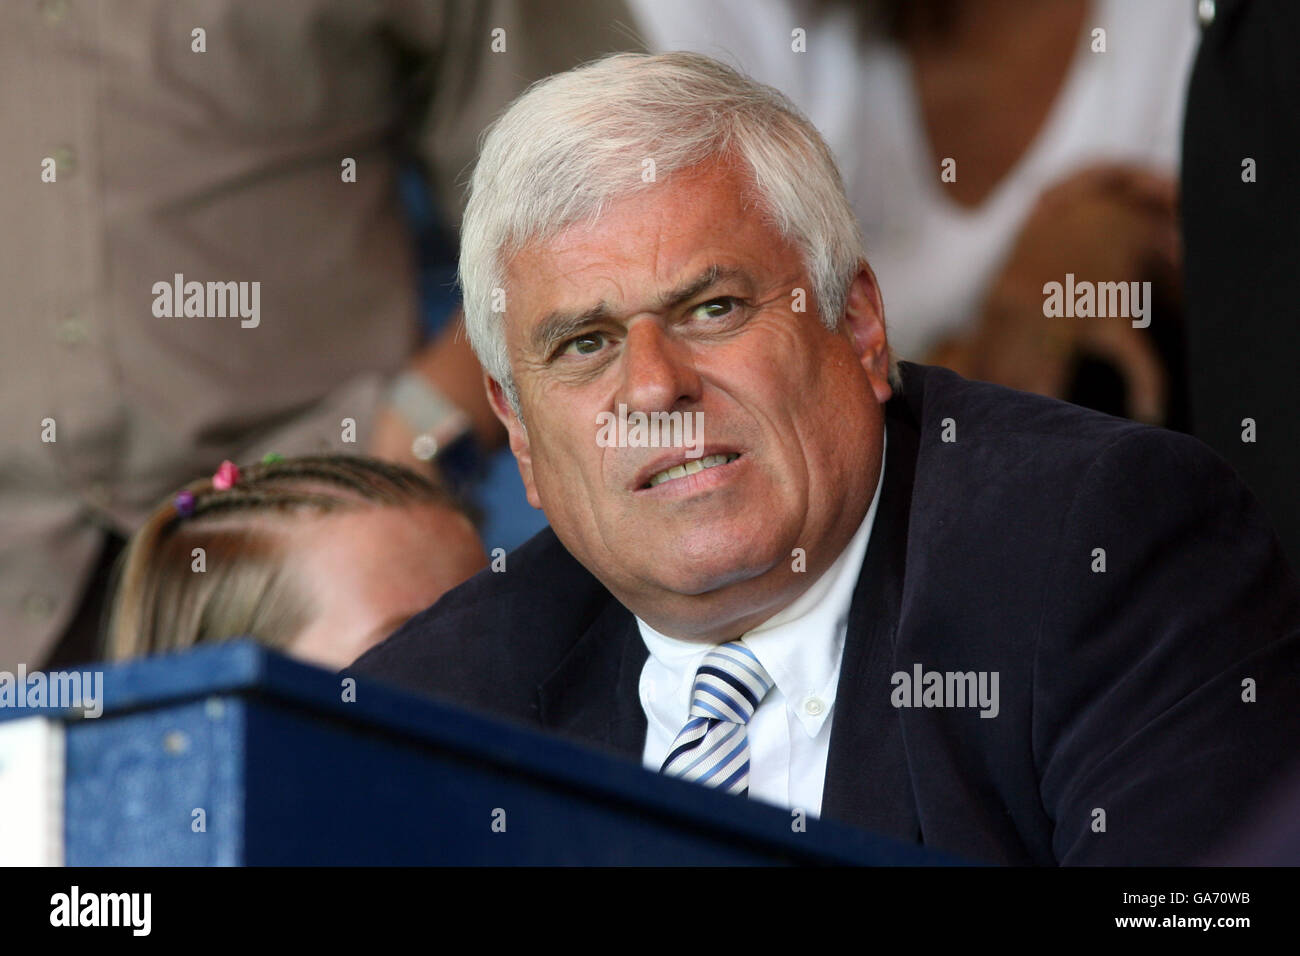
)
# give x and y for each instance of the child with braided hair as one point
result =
(320, 557)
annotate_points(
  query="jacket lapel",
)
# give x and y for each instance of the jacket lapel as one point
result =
(593, 696)
(867, 779)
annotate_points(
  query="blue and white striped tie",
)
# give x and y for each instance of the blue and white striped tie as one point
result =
(713, 747)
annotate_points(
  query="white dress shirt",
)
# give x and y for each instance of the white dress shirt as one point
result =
(801, 647)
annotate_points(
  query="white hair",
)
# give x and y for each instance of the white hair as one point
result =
(575, 142)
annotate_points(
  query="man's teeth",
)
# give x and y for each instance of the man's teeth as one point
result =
(691, 467)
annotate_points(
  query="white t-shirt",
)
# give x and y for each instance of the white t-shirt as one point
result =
(935, 259)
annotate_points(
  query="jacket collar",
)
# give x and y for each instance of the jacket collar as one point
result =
(867, 778)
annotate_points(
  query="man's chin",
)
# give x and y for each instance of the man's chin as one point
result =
(707, 573)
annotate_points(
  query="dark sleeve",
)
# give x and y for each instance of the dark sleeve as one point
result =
(1242, 254)
(490, 642)
(459, 653)
(1142, 672)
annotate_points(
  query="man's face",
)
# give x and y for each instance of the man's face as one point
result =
(683, 299)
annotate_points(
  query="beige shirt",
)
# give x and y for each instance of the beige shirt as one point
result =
(222, 166)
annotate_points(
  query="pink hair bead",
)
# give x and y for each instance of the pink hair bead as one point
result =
(226, 476)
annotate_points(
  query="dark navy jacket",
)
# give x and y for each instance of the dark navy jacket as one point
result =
(1157, 698)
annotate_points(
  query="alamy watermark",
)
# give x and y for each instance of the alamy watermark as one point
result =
(129, 910)
(213, 300)
(59, 690)
(1086, 300)
(922, 688)
(651, 430)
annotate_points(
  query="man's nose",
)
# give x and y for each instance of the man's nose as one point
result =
(658, 371)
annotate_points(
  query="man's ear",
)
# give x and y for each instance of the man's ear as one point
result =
(518, 436)
(864, 321)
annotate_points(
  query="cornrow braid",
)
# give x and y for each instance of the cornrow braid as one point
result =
(309, 482)
(160, 605)
(219, 504)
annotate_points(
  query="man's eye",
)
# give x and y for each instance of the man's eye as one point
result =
(584, 344)
(716, 308)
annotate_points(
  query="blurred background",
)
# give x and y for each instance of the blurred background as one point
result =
(319, 149)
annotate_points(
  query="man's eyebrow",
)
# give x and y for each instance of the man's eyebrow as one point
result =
(688, 290)
(558, 326)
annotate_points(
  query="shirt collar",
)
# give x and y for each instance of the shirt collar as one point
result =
(801, 645)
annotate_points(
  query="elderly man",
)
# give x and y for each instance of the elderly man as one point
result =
(960, 615)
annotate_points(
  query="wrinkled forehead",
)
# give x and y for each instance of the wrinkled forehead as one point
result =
(646, 244)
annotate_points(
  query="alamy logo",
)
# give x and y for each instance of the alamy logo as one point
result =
(922, 688)
(1085, 300)
(213, 300)
(651, 430)
(75, 908)
(62, 690)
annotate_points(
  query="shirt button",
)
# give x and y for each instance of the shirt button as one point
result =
(37, 606)
(65, 159)
(54, 11)
(1205, 12)
(813, 706)
(72, 331)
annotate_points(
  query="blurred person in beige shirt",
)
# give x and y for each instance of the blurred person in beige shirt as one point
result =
(150, 144)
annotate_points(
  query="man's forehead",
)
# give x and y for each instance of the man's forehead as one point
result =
(637, 263)
(636, 282)
(650, 230)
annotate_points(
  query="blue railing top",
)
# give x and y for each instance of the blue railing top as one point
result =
(246, 668)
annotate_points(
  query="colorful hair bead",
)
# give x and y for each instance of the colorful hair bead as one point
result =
(184, 502)
(226, 476)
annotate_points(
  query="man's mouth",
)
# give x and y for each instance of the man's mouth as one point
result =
(691, 467)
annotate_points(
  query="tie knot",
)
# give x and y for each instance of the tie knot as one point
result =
(729, 684)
